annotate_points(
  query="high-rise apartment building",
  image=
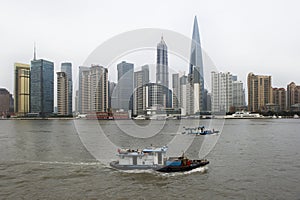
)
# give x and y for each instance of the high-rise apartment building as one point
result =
(221, 93)
(93, 89)
(183, 96)
(62, 94)
(124, 87)
(22, 89)
(42, 87)
(67, 68)
(279, 98)
(293, 96)
(83, 90)
(238, 94)
(259, 92)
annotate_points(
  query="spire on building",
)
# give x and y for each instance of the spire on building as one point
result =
(34, 52)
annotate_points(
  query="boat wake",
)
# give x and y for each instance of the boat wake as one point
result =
(67, 163)
(201, 170)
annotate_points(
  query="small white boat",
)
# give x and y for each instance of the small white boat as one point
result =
(140, 117)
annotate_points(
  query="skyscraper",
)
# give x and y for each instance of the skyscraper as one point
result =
(22, 89)
(125, 85)
(259, 92)
(42, 87)
(196, 75)
(238, 94)
(162, 72)
(93, 89)
(62, 94)
(141, 78)
(145, 69)
(67, 68)
(176, 91)
(83, 89)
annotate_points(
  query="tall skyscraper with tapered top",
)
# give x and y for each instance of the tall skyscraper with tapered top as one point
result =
(196, 75)
(162, 72)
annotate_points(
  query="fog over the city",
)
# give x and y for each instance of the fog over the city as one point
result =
(239, 36)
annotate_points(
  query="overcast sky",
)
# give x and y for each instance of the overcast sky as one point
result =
(260, 36)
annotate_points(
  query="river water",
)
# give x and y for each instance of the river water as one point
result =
(68, 159)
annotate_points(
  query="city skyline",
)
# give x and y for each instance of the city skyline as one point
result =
(237, 40)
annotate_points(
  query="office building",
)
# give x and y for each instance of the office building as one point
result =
(42, 87)
(124, 87)
(176, 91)
(196, 74)
(140, 101)
(162, 72)
(21, 89)
(67, 68)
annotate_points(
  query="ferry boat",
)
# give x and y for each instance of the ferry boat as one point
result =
(200, 130)
(155, 159)
(244, 115)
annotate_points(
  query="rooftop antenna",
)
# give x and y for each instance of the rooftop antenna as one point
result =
(34, 52)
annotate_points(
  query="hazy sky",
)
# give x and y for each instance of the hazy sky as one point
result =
(260, 36)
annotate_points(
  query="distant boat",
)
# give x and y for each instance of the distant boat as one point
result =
(155, 159)
(140, 117)
(244, 115)
(200, 130)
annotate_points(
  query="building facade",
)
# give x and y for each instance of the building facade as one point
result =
(21, 89)
(293, 96)
(67, 68)
(139, 98)
(221, 94)
(93, 89)
(83, 89)
(238, 95)
(176, 91)
(196, 74)
(162, 72)
(279, 98)
(62, 94)
(42, 87)
(4, 102)
(259, 92)
(124, 87)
